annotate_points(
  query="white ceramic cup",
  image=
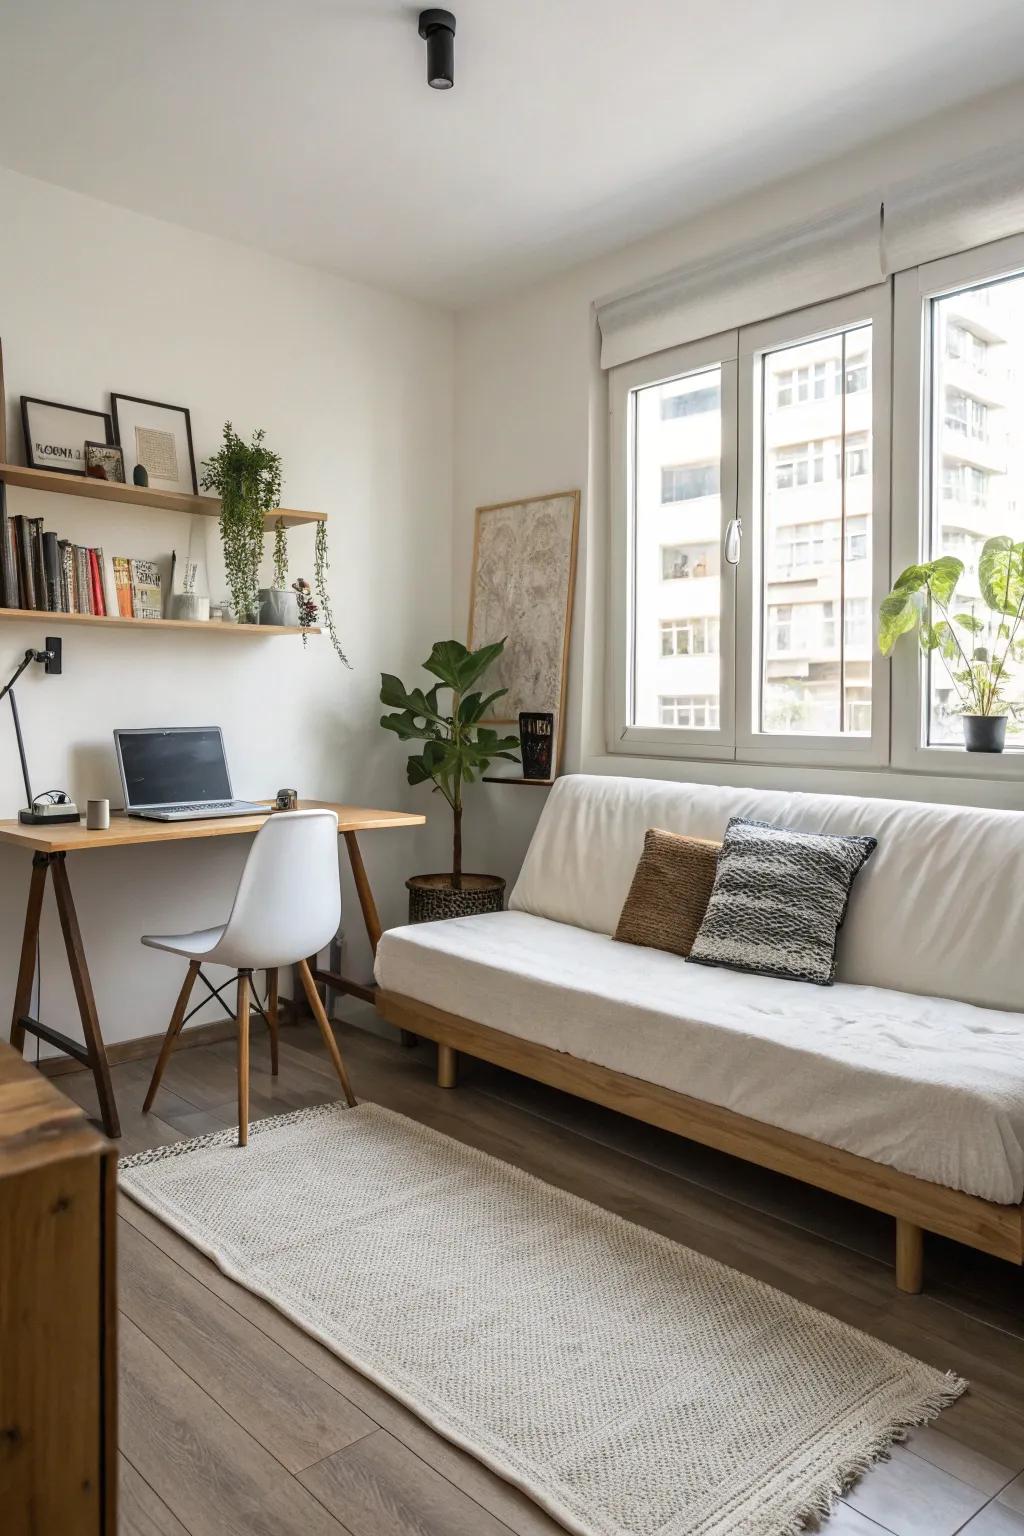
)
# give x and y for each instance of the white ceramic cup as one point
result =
(97, 815)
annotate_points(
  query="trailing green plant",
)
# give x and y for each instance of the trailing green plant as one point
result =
(247, 478)
(321, 565)
(280, 554)
(457, 749)
(973, 650)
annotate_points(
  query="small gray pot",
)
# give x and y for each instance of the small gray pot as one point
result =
(984, 733)
(432, 897)
(279, 606)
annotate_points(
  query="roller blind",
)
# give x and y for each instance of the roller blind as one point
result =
(835, 253)
(970, 202)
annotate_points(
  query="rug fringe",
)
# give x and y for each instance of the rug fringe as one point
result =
(821, 1502)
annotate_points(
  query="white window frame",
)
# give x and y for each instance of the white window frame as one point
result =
(911, 471)
(871, 305)
(668, 741)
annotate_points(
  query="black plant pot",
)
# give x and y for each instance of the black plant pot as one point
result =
(433, 897)
(984, 733)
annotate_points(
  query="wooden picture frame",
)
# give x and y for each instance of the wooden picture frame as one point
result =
(64, 450)
(105, 456)
(513, 622)
(130, 413)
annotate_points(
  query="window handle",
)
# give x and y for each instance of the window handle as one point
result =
(733, 535)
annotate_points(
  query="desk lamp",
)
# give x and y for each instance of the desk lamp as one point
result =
(41, 810)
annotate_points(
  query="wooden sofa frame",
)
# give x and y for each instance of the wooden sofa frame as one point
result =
(917, 1205)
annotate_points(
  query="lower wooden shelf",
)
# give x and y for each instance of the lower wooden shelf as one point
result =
(213, 627)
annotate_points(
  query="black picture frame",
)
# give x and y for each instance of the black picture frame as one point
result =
(62, 466)
(159, 405)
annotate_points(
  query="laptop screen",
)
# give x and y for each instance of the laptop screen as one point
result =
(182, 767)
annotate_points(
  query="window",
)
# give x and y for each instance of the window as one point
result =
(806, 677)
(964, 483)
(962, 345)
(689, 637)
(676, 588)
(681, 562)
(694, 402)
(857, 626)
(819, 380)
(689, 712)
(978, 462)
(958, 479)
(688, 482)
(751, 541)
(965, 415)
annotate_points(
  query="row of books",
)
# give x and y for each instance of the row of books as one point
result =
(40, 571)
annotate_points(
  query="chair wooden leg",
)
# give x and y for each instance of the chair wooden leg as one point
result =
(909, 1257)
(243, 1058)
(313, 998)
(447, 1066)
(173, 1031)
(273, 1019)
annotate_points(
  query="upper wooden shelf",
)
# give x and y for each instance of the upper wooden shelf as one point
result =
(137, 495)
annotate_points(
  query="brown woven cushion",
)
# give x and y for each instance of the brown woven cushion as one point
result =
(670, 892)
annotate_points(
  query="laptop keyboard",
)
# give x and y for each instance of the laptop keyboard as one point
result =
(204, 805)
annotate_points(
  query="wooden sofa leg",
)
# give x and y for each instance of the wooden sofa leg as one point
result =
(909, 1257)
(447, 1066)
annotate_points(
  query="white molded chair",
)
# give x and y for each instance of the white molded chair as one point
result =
(287, 906)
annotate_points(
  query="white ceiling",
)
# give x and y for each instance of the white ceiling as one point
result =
(306, 126)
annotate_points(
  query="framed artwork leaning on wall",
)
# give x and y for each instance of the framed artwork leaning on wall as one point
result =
(159, 437)
(521, 590)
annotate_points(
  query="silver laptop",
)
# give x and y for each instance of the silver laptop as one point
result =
(178, 774)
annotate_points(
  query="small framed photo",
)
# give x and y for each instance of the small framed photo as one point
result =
(159, 437)
(105, 461)
(56, 435)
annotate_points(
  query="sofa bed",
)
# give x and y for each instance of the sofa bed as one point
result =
(901, 1086)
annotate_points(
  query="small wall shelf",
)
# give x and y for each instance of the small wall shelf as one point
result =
(494, 778)
(47, 617)
(137, 496)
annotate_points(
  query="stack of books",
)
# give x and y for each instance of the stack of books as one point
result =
(40, 571)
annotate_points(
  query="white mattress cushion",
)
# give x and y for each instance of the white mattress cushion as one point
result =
(929, 1086)
(938, 909)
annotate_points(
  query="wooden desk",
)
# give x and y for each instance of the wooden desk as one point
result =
(50, 847)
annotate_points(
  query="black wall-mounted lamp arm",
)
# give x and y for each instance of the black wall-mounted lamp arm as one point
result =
(47, 656)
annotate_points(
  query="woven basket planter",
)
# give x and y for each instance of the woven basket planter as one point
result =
(432, 898)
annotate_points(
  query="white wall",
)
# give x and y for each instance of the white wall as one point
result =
(354, 388)
(531, 416)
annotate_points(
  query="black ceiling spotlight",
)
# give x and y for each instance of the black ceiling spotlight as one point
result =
(438, 27)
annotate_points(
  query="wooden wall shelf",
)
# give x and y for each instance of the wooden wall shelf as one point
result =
(45, 616)
(137, 495)
(495, 778)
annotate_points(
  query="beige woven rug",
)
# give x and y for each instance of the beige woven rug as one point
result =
(631, 1386)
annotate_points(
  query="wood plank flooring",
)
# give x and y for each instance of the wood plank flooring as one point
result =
(234, 1422)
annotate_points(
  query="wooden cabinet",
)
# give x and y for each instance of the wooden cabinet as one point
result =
(58, 1366)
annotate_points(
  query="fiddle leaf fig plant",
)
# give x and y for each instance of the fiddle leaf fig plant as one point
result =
(457, 749)
(973, 647)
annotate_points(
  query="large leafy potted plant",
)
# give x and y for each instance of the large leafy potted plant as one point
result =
(456, 751)
(974, 650)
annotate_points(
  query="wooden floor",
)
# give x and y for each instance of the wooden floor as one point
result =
(234, 1423)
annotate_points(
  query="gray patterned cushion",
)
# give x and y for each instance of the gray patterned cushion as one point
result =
(779, 901)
